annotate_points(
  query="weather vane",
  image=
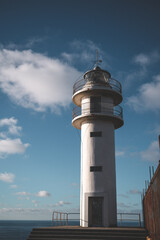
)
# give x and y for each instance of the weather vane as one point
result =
(97, 59)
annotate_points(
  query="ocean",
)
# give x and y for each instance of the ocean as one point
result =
(20, 230)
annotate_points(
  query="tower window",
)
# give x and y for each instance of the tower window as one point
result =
(95, 104)
(95, 168)
(95, 134)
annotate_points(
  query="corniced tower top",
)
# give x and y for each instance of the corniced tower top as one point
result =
(97, 82)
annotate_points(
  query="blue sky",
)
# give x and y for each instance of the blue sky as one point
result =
(45, 46)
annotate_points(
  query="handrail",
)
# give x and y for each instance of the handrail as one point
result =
(64, 218)
(110, 84)
(117, 111)
(130, 219)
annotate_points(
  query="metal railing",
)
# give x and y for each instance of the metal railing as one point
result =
(117, 111)
(110, 84)
(63, 218)
(129, 217)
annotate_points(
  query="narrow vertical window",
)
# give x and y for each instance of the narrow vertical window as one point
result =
(95, 104)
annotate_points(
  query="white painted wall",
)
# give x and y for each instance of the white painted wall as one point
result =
(98, 151)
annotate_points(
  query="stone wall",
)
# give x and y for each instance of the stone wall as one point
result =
(151, 206)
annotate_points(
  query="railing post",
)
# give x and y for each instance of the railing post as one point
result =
(121, 218)
(57, 219)
(63, 219)
(60, 218)
(67, 219)
(53, 218)
(139, 220)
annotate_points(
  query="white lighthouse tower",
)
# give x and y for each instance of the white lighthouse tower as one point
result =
(97, 114)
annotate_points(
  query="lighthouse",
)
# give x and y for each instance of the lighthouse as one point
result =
(97, 113)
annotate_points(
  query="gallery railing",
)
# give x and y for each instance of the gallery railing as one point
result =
(123, 219)
(111, 83)
(117, 111)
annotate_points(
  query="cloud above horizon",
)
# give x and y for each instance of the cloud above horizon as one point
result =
(82, 52)
(119, 153)
(11, 124)
(134, 191)
(33, 80)
(7, 177)
(9, 143)
(43, 193)
(12, 146)
(152, 153)
(22, 193)
(62, 203)
(148, 97)
(145, 60)
(142, 64)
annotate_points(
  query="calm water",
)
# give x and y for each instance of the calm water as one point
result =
(20, 230)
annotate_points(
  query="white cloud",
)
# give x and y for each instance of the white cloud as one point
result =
(15, 130)
(7, 145)
(142, 59)
(84, 52)
(33, 41)
(30, 213)
(36, 81)
(11, 123)
(8, 121)
(12, 146)
(123, 205)
(35, 203)
(13, 186)
(25, 213)
(7, 177)
(68, 56)
(22, 193)
(147, 59)
(143, 63)
(27, 44)
(152, 153)
(123, 195)
(43, 194)
(134, 191)
(148, 97)
(62, 203)
(129, 78)
(3, 135)
(120, 153)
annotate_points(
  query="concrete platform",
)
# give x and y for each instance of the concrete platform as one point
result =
(79, 233)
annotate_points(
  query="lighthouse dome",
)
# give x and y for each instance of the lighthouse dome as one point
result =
(97, 75)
